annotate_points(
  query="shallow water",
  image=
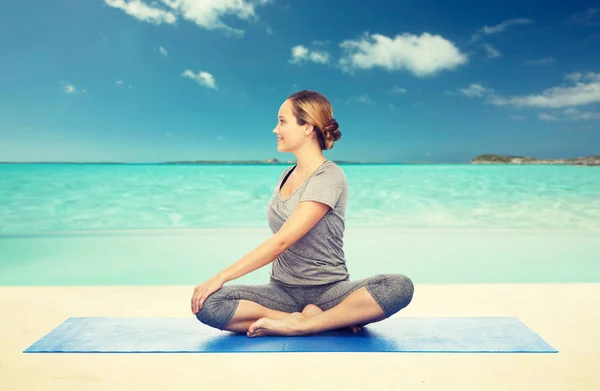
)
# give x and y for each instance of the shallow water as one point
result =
(188, 257)
(47, 197)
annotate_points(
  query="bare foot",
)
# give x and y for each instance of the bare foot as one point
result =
(312, 310)
(290, 326)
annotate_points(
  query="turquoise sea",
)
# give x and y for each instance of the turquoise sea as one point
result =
(71, 224)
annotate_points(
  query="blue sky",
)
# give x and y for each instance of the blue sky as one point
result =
(163, 80)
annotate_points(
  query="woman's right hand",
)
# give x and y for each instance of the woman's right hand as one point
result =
(202, 291)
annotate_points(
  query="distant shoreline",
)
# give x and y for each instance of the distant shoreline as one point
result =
(593, 160)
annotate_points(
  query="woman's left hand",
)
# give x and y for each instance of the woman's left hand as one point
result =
(202, 291)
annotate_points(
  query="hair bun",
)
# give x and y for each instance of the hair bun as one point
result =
(332, 129)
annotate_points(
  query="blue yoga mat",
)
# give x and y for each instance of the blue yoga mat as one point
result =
(395, 334)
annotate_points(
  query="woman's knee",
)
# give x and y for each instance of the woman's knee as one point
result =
(217, 309)
(405, 286)
(397, 291)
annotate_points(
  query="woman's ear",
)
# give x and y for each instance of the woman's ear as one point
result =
(309, 128)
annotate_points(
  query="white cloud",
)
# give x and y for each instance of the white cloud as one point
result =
(547, 117)
(399, 90)
(595, 77)
(474, 90)
(364, 98)
(301, 53)
(142, 11)
(570, 114)
(589, 17)
(202, 78)
(541, 61)
(575, 76)
(163, 51)
(516, 117)
(487, 30)
(502, 26)
(121, 83)
(491, 51)
(422, 55)
(71, 89)
(578, 115)
(582, 93)
(205, 13)
(320, 43)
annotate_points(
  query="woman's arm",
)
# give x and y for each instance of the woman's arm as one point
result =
(306, 215)
(304, 218)
(264, 254)
(255, 259)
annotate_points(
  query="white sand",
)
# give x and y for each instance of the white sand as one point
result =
(564, 315)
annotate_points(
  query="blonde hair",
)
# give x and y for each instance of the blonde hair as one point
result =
(311, 107)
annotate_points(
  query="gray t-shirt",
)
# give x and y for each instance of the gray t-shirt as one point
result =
(318, 257)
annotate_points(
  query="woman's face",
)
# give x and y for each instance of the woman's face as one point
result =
(289, 134)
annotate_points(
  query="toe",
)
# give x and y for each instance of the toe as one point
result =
(253, 327)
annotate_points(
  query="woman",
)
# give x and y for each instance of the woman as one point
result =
(309, 288)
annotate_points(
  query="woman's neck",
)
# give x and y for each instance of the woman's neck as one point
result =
(304, 167)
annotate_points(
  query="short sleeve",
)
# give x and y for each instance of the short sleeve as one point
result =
(325, 186)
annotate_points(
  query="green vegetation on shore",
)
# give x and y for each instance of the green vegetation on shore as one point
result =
(593, 160)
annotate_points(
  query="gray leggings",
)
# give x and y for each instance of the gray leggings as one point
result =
(392, 291)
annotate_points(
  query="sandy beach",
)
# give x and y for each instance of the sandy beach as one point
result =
(562, 314)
